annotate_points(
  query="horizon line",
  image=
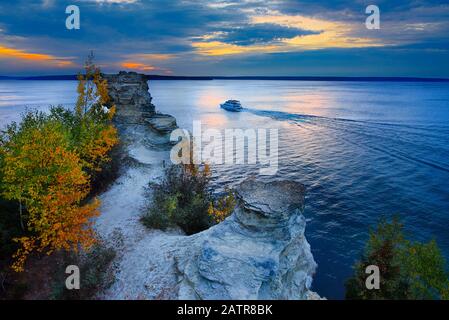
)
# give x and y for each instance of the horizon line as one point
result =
(298, 78)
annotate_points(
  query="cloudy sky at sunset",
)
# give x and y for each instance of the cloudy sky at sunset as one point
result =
(227, 37)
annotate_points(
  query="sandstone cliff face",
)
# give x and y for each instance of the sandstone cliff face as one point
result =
(259, 252)
(129, 93)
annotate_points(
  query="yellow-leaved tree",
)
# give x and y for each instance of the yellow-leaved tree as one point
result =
(94, 133)
(47, 165)
(43, 174)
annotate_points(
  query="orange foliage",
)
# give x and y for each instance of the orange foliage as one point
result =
(95, 151)
(48, 178)
(223, 207)
(47, 163)
(97, 135)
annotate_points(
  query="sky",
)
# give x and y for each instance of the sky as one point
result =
(227, 37)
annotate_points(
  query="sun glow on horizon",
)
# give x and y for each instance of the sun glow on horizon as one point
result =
(143, 67)
(137, 66)
(47, 59)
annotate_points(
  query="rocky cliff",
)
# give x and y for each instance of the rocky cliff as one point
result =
(129, 93)
(259, 252)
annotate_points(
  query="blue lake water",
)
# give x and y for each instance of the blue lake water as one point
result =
(362, 149)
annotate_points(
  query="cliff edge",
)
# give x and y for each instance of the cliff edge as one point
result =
(259, 252)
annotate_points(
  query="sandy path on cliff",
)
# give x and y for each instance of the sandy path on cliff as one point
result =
(143, 266)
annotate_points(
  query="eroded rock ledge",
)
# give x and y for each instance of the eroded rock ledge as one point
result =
(129, 93)
(259, 252)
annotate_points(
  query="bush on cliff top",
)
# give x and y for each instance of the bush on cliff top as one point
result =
(96, 268)
(182, 199)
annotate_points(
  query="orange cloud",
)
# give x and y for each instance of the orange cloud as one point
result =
(137, 66)
(17, 54)
(218, 48)
(329, 34)
(330, 39)
(332, 34)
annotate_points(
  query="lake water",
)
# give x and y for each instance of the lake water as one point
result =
(362, 149)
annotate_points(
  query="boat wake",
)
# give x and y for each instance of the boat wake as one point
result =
(416, 143)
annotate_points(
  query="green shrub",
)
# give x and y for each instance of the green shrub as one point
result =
(182, 199)
(408, 270)
(110, 171)
(96, 274)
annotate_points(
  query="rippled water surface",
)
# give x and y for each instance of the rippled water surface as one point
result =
(362, 149)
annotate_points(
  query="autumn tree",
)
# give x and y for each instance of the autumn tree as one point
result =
(94, 134)
(47, 164)
(46, 177)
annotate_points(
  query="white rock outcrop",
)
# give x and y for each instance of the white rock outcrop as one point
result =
(259, 252)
